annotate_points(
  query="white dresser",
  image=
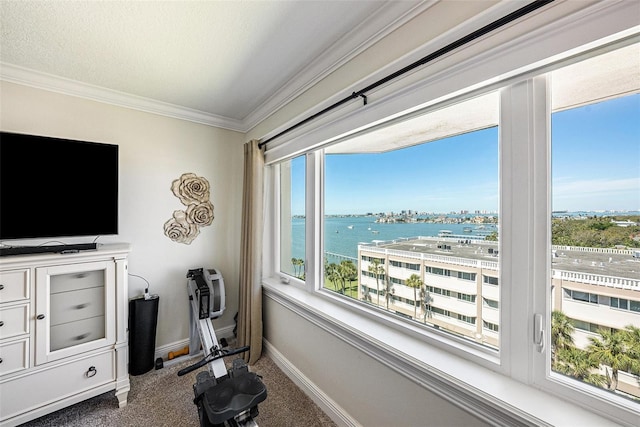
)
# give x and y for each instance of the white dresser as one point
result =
(63, 330)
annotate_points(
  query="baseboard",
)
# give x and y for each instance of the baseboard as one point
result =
(330, 407)
(163, 351)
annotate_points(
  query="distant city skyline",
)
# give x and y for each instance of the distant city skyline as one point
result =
(470, 214)
(595, 167)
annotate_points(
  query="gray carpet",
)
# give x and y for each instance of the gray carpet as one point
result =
(161, 398)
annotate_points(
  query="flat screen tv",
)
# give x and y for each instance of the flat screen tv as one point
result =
(53, 187)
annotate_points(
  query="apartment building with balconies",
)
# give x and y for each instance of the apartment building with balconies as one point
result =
(460, 293)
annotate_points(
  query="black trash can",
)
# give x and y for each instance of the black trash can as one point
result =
(143, 319)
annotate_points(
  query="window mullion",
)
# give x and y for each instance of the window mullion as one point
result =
(271, 242)
(541, 181)
(314, 220)
(523, 128)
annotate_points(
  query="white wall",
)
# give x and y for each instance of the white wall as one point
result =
(368, 392)
(154, 150)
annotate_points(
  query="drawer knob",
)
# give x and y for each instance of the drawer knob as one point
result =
(1, 323)
(40, 316)
(81, 306)
(0, 359)
(81, 337)
(91, 372)
(1, 287)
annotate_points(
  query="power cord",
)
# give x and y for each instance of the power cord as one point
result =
(146, 291)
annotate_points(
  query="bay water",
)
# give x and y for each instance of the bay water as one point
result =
(343, 234)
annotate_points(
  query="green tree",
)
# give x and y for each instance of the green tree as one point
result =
(561, 334)
(377, 270)
(298, 267)
(416, 283)
(612, 350)
(348, 272)
(579, 364)
(426, 302)
(332, 274)
(597, 232)
(388, 291)
(632, 337)
(493, 237)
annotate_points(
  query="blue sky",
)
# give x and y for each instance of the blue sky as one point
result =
(596, 156)
(595, 166)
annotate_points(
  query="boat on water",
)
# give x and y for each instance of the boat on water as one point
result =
(445, 233)
(350, 227)
(467, 229)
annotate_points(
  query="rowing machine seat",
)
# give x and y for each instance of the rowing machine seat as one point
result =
(233, 396)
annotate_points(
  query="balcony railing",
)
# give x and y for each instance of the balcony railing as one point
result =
(597, 279)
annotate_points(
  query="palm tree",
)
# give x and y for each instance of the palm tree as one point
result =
(377, 270)
(632, 338)
(426, 301)
(612, 351)
(561, 334)
(298, 267)
(388, 291)
(416, 283)
(331, 272)
(579, 364)
(348, 271)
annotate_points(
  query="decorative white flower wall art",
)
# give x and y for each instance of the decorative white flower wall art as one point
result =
(193, 192)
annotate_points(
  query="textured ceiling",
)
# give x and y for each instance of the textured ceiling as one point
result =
(221, 58)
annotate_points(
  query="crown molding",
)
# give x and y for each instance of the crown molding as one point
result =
(500, 9)
(376, 27)
(360, 38)
(28, 77)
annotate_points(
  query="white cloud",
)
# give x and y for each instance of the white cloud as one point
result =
(596, 194)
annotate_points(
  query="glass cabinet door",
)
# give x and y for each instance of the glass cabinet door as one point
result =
(74, 309)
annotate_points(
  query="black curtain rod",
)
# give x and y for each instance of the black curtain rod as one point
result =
(537, 4)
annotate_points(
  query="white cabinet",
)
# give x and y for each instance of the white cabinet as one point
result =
(63, 336)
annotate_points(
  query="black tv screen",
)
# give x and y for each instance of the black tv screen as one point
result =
(53, 187)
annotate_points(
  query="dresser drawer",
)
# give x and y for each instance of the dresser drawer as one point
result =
(14, 356)
(26, 393)
(74, 281)
(74, 333)
(76, 305)
(14, 320)
(14, 285)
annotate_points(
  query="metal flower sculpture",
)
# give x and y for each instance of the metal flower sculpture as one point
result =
(193, 192)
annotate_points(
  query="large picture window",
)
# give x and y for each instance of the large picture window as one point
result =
(595, 227)
(501, 225)
(414, 207)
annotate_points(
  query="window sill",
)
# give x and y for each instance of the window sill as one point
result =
(489, 395)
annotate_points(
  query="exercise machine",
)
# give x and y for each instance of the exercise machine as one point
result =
(224, 397)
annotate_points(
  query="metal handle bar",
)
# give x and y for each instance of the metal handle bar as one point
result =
(219, 354)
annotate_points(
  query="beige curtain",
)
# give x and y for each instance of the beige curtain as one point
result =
(250, 306)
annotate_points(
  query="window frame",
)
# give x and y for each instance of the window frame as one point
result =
(529, 126)
(594, 398)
